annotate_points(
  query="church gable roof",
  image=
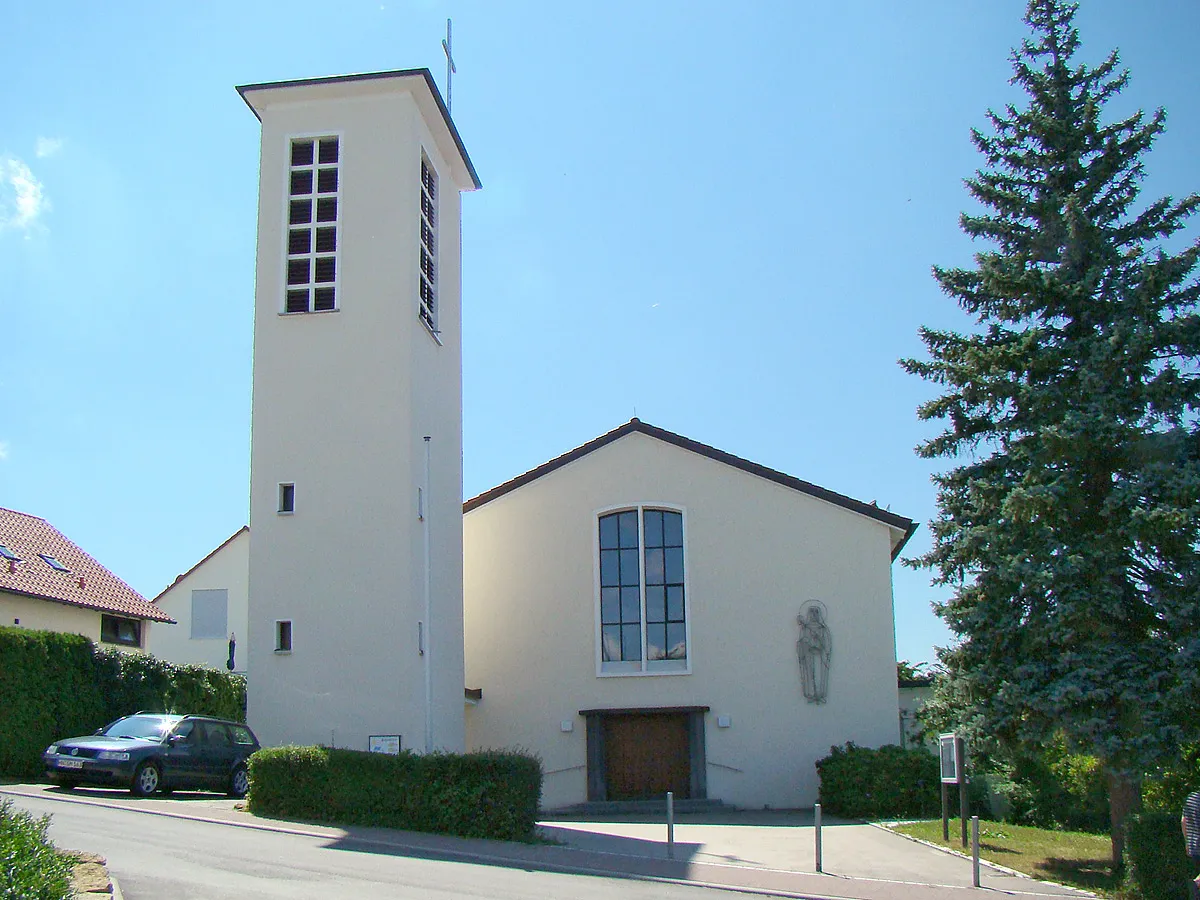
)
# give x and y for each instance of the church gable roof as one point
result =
(44, 564)
(635, 425)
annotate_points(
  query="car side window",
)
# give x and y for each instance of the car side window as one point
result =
(186, 731)
(218, 734)
(242, 735)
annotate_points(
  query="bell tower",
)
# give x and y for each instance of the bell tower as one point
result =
(355, 626)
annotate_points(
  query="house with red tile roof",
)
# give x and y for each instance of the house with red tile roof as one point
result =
(48, 582)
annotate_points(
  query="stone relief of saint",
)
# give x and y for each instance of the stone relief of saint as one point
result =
(814, 649)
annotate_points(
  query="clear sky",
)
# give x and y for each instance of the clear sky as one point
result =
(720, 217)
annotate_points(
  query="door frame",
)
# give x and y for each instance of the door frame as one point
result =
(597, 780)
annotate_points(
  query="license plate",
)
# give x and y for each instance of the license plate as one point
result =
(70, 763)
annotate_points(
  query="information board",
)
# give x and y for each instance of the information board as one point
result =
(385, 743)
(948, 746)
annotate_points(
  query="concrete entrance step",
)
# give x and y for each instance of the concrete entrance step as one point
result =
(656, 806)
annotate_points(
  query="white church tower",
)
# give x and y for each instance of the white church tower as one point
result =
(355, 595)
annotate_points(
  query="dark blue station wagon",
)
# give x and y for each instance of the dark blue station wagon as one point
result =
(149, 752)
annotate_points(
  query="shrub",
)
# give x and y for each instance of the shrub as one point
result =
(1165, 791)
(886, 783)
(60, 685)
(1156, 862)
(482, 795)
(32, 869)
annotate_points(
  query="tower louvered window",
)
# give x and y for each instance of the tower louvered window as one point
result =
(312, 234)
(428, 276)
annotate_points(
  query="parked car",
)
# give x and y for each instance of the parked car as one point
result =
(150, 752)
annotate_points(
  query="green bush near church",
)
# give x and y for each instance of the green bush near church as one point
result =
(494, 794)
(62, 685)
(1156, 863)
(890, 782)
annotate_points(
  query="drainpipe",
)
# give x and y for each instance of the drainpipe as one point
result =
(428, 640)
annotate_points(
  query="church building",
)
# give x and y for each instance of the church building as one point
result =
(645, 612)
(648, 614)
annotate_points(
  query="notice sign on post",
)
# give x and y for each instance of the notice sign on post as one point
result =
(948, 745)
(385, 743)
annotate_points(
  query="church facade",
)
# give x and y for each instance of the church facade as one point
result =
(648, 613)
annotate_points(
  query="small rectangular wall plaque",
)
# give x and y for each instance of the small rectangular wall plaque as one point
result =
(384, 743)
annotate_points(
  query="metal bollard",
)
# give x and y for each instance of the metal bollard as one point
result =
(975, 850)
(817, 823)
(670, 824)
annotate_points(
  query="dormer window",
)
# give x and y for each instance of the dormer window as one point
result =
(53, 563)
(312, 232)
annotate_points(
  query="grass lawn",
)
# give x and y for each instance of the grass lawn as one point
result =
(1068, 857)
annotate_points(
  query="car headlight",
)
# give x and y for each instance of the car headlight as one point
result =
(53, 748)
(113, 755)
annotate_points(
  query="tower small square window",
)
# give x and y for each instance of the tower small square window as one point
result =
(283, 636)
(287, 498)
(313, 211)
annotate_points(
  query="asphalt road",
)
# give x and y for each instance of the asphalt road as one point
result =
(156, 857)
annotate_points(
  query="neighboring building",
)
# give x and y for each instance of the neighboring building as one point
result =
(913, 694)
(648, 613)
(49, 583)
(209, 603)
(355, 555)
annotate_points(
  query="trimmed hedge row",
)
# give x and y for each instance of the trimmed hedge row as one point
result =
(30, 867)
(1157, 864)
(480, 795)
(59, 685)
(890, 782)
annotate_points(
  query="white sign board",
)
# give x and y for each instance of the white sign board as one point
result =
(948, 746)
(385, 743)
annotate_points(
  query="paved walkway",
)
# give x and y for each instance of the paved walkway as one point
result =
(767, 852)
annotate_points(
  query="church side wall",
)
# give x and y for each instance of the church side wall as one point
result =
(755, 553)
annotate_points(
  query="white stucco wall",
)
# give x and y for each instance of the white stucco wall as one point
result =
(341, 403)
(755, 552)
(226, 569)
(45, 615)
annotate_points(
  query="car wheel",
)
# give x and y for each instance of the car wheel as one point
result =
(146, 779)
(239, 782)
(67, 784)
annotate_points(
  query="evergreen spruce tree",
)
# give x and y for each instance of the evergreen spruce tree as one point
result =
(1069, 526)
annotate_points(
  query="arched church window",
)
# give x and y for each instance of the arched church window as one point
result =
(643, 609)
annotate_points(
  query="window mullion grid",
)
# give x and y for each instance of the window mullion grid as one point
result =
(642, 584)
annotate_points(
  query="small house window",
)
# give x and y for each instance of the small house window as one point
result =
(287, 498)
(283, 636)
(120, 630)
(210, 615)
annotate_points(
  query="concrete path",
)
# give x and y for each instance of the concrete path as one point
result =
(768, 852)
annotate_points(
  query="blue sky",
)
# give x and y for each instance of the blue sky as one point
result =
(719, 216)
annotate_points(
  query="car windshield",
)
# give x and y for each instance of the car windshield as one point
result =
(152, 727)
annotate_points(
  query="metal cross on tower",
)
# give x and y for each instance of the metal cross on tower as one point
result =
(450, 69)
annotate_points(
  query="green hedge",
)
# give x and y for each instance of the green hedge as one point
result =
(61, 685)
(890, 782)
(30, 867)
(1155, 859)
(481, 795)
